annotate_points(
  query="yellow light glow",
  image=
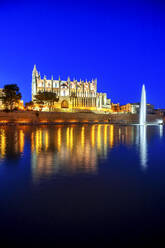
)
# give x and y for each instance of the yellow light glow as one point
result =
(71, 138)
(3, 143)
(22, 121)
(59, 138)
(99, 137)
(105, 135)
(67, 137)
(73, 121)
(38, 141)
(46, 140)
(59, 121)
(43, 121)
(40, 137)
(111, 135)
(84, 121)
(21, 140)
(93, 136)
(3, 121)
(82, 136)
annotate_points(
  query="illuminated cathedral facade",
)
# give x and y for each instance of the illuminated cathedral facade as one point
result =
(71, 93)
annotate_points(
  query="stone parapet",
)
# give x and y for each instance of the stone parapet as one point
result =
(32, 117)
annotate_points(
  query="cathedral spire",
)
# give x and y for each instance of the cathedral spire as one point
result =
(35, 72)
(68, 79)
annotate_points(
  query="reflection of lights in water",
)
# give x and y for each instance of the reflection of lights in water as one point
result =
(137, 136)
(105, 140)
(21, 140)
(46, 140)
(67, 137)
(143, 145)
(38, 139)
(119, 134)
(3, 143)
(111, 135)
(161, 130)
(16, 142)
(105, 135)
(32, 142)
(93, 136)
(82, 136)
(74, 148)
(71, 138)
(59, 138)
(99, 137)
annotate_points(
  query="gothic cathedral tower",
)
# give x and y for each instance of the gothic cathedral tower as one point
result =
(34, 81)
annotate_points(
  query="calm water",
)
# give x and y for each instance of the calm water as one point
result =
(82, 183)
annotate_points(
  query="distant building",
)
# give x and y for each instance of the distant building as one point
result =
(130, 108)
(160, 112)
(71, 93)
(150, 109)
(115, 107)
(134, 108)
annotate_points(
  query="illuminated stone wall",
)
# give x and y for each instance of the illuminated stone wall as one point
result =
(62, 117)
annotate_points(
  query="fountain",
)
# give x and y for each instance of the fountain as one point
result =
(143, 111)
(142, 134)
(142, 116)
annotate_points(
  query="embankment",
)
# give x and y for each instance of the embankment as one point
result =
(36, 118)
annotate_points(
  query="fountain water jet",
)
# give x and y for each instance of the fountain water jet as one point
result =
(143, 108)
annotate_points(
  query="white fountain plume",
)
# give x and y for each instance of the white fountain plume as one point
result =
(143, 110)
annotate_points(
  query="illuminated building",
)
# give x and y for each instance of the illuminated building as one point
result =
(71, 93)
(115, 107)
(130, 108)
(134, 108)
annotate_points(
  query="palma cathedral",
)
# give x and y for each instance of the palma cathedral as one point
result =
(71, 93)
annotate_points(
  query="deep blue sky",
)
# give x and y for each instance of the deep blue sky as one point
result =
(121, 43)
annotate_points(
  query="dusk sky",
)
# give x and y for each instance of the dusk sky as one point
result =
(121, 43)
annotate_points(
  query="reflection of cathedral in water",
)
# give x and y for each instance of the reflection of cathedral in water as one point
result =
(11, 142)
(70, 148)
(60, 149)
(75, 148)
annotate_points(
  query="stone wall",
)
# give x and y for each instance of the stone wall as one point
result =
(30, 117)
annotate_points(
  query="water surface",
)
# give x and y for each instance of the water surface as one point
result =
(82, 183)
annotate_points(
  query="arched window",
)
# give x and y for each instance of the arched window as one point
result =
(64, 104)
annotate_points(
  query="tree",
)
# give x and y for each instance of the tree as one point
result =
(11, 96)
(29, 105)
(46, 98)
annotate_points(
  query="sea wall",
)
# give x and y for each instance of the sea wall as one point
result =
(30, 117)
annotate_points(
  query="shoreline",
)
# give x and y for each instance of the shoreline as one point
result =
(55, 118)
